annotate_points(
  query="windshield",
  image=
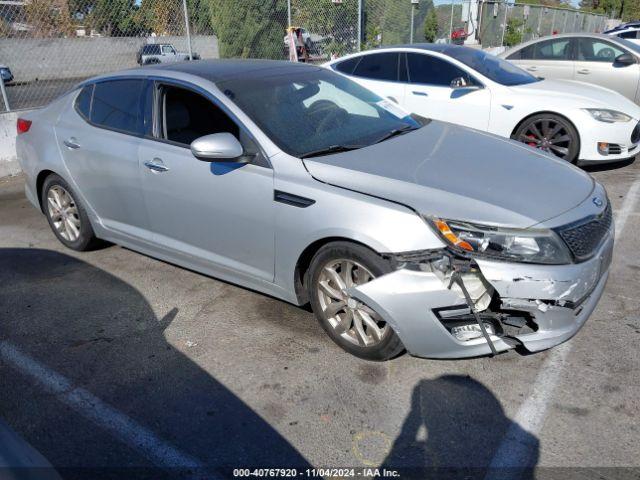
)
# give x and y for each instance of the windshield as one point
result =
(492, 67)
(630, 45)
(317, 110)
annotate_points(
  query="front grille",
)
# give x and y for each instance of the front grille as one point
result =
(585, 237)
(635, 135)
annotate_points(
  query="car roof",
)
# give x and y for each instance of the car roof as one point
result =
(220, 70)
(601, 36)
(444, 48)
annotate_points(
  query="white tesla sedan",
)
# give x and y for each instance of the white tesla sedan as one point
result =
(575, 121)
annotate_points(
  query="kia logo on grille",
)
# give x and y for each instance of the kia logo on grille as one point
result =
(597, 201)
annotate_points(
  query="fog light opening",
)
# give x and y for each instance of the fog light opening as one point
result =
(603, 148)
(471, 331)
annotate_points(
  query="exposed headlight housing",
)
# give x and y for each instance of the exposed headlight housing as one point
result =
(608, 116)
(530, 246)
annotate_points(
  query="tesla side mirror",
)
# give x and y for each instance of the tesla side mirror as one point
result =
(217, 147)
(461, 82)
(625, 59)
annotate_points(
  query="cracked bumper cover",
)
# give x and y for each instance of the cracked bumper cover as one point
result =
(406, 299)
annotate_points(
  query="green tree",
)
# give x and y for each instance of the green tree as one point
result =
(431, 26)
(249, 28)
(48, 18)
(116, 18)
(515, 31)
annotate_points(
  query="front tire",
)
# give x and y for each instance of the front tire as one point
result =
(550, 133)
(66, 215)
(354, 326)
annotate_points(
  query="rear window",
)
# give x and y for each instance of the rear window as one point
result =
(347, 66)
(83, 102)
(151, 50)
(117, 104)
(379, 66)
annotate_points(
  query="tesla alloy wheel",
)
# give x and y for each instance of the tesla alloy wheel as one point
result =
(353, 325)
(65, 214)
(550, 133)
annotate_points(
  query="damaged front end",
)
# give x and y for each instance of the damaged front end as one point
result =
(445, 305)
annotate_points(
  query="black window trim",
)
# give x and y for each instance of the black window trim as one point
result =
(103, 127)
(477, 82)
(157, 83)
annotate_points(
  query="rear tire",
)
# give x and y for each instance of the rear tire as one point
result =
(551, 133)
(355, 327)
(66, 215)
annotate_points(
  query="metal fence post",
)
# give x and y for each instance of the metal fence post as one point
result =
(553, 21)
(186, 24)
(451, 23)
(359, 42)
(504, 24)
(4, 95)
(411, 32)
(289, 13)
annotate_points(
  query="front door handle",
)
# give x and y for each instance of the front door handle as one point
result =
(71, 143)
(532, 69)
(584, 71)
(422, 94)
(156, 165)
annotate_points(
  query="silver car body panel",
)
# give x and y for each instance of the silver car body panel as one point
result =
(375, 197)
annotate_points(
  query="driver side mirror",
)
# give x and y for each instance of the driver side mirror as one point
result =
(625, 60)
(218, 147)
(461, 82)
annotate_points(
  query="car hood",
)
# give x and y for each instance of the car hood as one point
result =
(579, 95)
(458, 173)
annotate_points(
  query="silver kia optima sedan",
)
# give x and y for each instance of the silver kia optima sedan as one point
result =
(403, 233)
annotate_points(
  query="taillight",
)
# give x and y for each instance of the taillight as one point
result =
(23, 125)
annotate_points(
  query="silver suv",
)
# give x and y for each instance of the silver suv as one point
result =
(162, 53)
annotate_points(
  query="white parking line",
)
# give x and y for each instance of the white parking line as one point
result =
(128, 431)
(514, 451)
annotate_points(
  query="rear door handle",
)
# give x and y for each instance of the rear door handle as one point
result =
(584, 71)
(532, 69)
(71, 143)
(156, 165)
(422, 94)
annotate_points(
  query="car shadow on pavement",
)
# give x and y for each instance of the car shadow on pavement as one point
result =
(454, 430)
(101, 334)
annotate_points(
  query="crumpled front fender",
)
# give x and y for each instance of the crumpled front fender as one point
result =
(405, 299)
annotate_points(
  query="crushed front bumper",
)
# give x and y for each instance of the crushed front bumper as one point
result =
(557, 300)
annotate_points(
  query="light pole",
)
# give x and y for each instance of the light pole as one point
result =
(186, 24)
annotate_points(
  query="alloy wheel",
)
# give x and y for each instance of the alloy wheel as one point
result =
(63, 213)
(351, 319)
(549, 135)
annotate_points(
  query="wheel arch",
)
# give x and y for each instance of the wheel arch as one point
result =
(301, 270)
(42, 176)
(542, 112)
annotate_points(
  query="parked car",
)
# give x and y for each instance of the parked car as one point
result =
(465, 86)
(154, 53)
(629, 31)
(295, 181)
(6, 74)
(603, 60)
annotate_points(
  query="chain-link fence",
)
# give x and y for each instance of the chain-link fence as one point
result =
(46, 46)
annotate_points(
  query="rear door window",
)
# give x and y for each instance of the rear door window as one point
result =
(379, 66)
(117, 105)
(347, 66)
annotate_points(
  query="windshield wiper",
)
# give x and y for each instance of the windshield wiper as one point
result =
(330, 150)
(396, 132)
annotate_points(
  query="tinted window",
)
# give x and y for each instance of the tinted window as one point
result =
(116, 105)
(83, 101)
(559, 49)
(629, 34)
(432, 70)
(379, 66)
(492, 67)
(151, 49)
(592, 50)
(347, 66)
